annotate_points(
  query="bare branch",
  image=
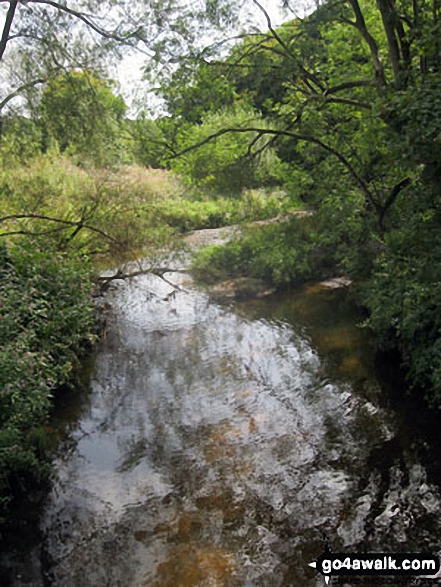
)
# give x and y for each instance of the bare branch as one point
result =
(215, 46)
(59, 221)
(19, 90)
(271, 142)
(347, 86)
(300, 137)
(308, 75)
(122, 275)
(6, 29)
(27, 233)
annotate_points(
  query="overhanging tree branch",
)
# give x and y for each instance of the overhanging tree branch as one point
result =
(19, 90)
(160, 272)
(78, 223)
(347, 86)
(300, 137)
(307, 74)
(7, 28)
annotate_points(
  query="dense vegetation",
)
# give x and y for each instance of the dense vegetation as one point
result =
(46, 319)
(350, 100)
(338, 112)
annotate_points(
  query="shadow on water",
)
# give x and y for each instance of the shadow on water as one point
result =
(218, 444)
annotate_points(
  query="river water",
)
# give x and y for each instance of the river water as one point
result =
(221, 445)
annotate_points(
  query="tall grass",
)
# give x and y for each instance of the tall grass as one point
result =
(115, 212)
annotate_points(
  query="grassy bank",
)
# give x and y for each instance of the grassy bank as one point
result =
(280, 254)
(397, 275)
(117, 212)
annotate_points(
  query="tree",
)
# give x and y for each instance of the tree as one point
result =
(148, 143)
(223, 164)
(209, 91)
(44, 38)
(82, 114)
(323, 82)
(353, 97)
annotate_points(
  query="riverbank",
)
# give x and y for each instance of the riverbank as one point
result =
(398, 296)
(46, 323)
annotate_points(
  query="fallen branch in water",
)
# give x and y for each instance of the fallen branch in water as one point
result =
(105, 281)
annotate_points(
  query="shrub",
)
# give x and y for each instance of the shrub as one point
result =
(223, 164)
(280, 254)
(403, 297)
(46, 318)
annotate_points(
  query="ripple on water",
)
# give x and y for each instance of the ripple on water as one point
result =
(215, 449)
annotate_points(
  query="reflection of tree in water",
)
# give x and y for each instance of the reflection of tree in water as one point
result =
(228, 451)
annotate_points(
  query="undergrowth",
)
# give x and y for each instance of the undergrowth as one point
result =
(46, 321)
(280, 254)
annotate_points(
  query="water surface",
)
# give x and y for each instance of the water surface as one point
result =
(219, 444)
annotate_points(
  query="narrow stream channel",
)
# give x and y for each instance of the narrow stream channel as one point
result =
(219, 443)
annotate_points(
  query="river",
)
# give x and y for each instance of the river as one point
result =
(222, 445)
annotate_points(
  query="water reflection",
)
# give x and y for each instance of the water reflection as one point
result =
(218, 445)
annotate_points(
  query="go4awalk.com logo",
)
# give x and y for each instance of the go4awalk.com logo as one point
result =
(335, 564)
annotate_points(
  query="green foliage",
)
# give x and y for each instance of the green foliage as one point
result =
(403, 294)
(116, 213)
(360, 95)
(188, 214)
(148, 141)
(414, 116)
(208, 92)
(20, 139)
(222, 164)
(280, 254)
(80, 112)
(107, 212)
(46, 317)
(45, 310)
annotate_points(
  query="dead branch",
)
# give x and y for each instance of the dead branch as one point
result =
(120, 274)
(7, 28)
(78, 224)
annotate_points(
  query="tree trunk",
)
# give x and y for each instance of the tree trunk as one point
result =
(389, 17)
(360, 25)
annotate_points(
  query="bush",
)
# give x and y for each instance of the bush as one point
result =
(46, 317)
(280, 254)
(186, 214)
(20, 139)
(222, 164)
(404, 300)
(119, 204)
